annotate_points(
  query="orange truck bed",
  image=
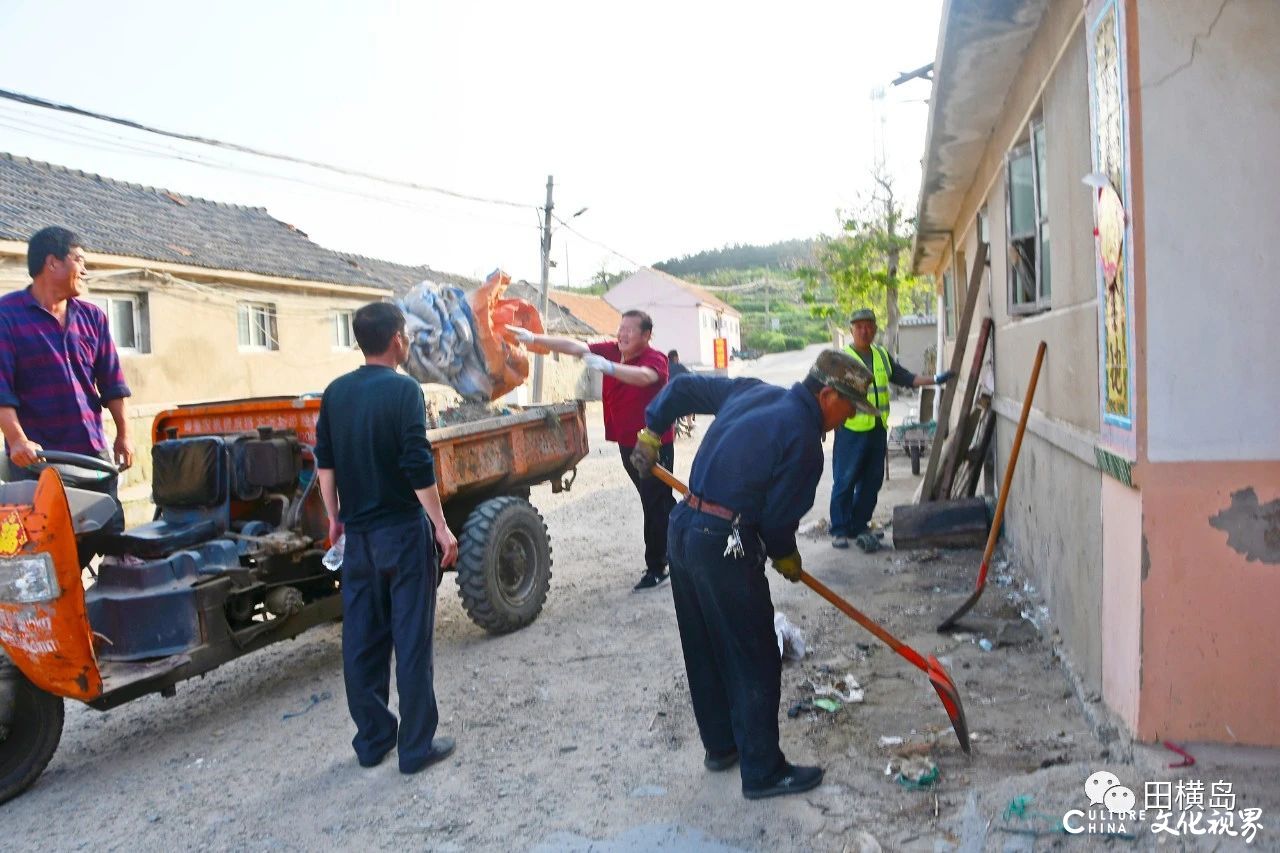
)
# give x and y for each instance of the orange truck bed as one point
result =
(497, 454)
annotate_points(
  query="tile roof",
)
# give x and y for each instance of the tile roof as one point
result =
(592, 310)
(118, 218)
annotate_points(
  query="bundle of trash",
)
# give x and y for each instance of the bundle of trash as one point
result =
(460, 339)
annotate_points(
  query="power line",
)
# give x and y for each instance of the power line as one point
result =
(111, 143)
(566, 226)
(118, 144)
(33, 101)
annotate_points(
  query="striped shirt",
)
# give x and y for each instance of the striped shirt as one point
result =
(58, 378)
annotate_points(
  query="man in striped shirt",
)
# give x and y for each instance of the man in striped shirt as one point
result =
(58, 365)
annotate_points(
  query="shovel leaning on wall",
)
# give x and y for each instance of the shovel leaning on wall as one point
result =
(994, 533)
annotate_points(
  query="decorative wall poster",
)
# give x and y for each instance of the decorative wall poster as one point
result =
(1110, 114)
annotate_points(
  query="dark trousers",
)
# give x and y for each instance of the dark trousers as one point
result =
(731, 656)
(857, 468)
(389, 602)
(657, 501)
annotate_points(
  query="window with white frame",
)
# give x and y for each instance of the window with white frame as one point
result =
(344, 336)
(256, 326)
(126, 318)
(1028, 225)
(949, 303)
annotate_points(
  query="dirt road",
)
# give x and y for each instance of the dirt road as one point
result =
(576, 733)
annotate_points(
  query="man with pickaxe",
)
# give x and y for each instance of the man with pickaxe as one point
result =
(753, 479)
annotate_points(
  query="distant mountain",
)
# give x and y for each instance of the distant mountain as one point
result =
(786, 255)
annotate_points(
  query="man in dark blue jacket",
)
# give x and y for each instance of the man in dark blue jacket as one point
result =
(377, 477)
(753, 479)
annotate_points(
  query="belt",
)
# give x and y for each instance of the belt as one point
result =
(709, 508)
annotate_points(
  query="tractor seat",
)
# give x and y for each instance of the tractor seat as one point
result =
(157, 538)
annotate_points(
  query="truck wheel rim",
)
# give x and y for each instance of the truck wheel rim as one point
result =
(517, 566)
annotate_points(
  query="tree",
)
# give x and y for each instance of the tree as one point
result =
(862, 263)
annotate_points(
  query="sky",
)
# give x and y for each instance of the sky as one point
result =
(679, 126)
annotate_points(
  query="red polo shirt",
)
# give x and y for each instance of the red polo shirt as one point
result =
(624, 404)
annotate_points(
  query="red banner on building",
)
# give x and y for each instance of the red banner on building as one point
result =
(720, 347)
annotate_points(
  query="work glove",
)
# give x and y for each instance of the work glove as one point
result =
(522, 334)
(645, 454)
(789, 566)
(944, 377)
(598, 362)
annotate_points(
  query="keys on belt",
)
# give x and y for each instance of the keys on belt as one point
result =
(733, 544)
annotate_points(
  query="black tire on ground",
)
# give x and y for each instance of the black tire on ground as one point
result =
(504, 564)
(33, 720)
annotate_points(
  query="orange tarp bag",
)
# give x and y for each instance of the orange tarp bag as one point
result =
(504, 357)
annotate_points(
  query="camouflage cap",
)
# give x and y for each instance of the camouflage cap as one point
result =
(845, 375)
(862, 314)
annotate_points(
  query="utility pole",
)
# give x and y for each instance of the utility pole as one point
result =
(546, 285)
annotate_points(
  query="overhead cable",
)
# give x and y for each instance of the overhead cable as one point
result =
(33, 101)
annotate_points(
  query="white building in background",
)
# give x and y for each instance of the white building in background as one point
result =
(685, 317)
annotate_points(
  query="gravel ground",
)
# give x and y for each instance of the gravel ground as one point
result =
(576, 733)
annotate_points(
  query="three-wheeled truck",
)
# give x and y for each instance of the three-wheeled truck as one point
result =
(233, 560)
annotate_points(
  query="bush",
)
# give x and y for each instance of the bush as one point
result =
(766, 341)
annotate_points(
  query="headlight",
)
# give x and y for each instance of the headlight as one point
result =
(28, 578)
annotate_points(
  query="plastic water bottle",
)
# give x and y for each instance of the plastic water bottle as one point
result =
(333, 557)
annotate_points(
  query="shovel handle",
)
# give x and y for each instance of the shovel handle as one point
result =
(998, 520)
(821, 589)
(670, 479)
(865, 621)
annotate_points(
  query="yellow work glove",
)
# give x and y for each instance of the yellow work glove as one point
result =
(789, 566)
(645, 454)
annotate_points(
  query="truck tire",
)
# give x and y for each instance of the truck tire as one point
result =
(504, 564)
(30, 727)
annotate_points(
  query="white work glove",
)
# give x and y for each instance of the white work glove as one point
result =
(598, 362)
(522, 334)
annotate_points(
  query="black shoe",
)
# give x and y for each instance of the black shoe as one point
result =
(441, 748)
(717, 761)
(792, 780)
(649, 580)
(867, 542)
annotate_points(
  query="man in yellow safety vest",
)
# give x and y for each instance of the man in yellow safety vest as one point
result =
(857, 462)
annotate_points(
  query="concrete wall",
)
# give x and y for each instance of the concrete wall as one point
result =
(1122, 556)
(1210, 132)
(1206, 228)
(912, 343)
(1164, 590)
(1053, 516)
(1210, 583)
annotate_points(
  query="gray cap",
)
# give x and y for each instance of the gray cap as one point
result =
(863, 314)
(845, 375)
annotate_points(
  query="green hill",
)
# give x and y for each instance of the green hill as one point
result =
(786, 255)
(777, 312)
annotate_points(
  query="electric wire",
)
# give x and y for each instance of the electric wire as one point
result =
(119, 144)
(116, 144)
(31, 100)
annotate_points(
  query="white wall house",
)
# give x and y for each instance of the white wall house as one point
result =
(685, 317)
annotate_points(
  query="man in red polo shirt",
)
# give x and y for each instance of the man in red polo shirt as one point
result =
(634, 373)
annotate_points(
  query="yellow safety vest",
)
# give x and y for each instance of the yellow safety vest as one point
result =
(878, 395)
